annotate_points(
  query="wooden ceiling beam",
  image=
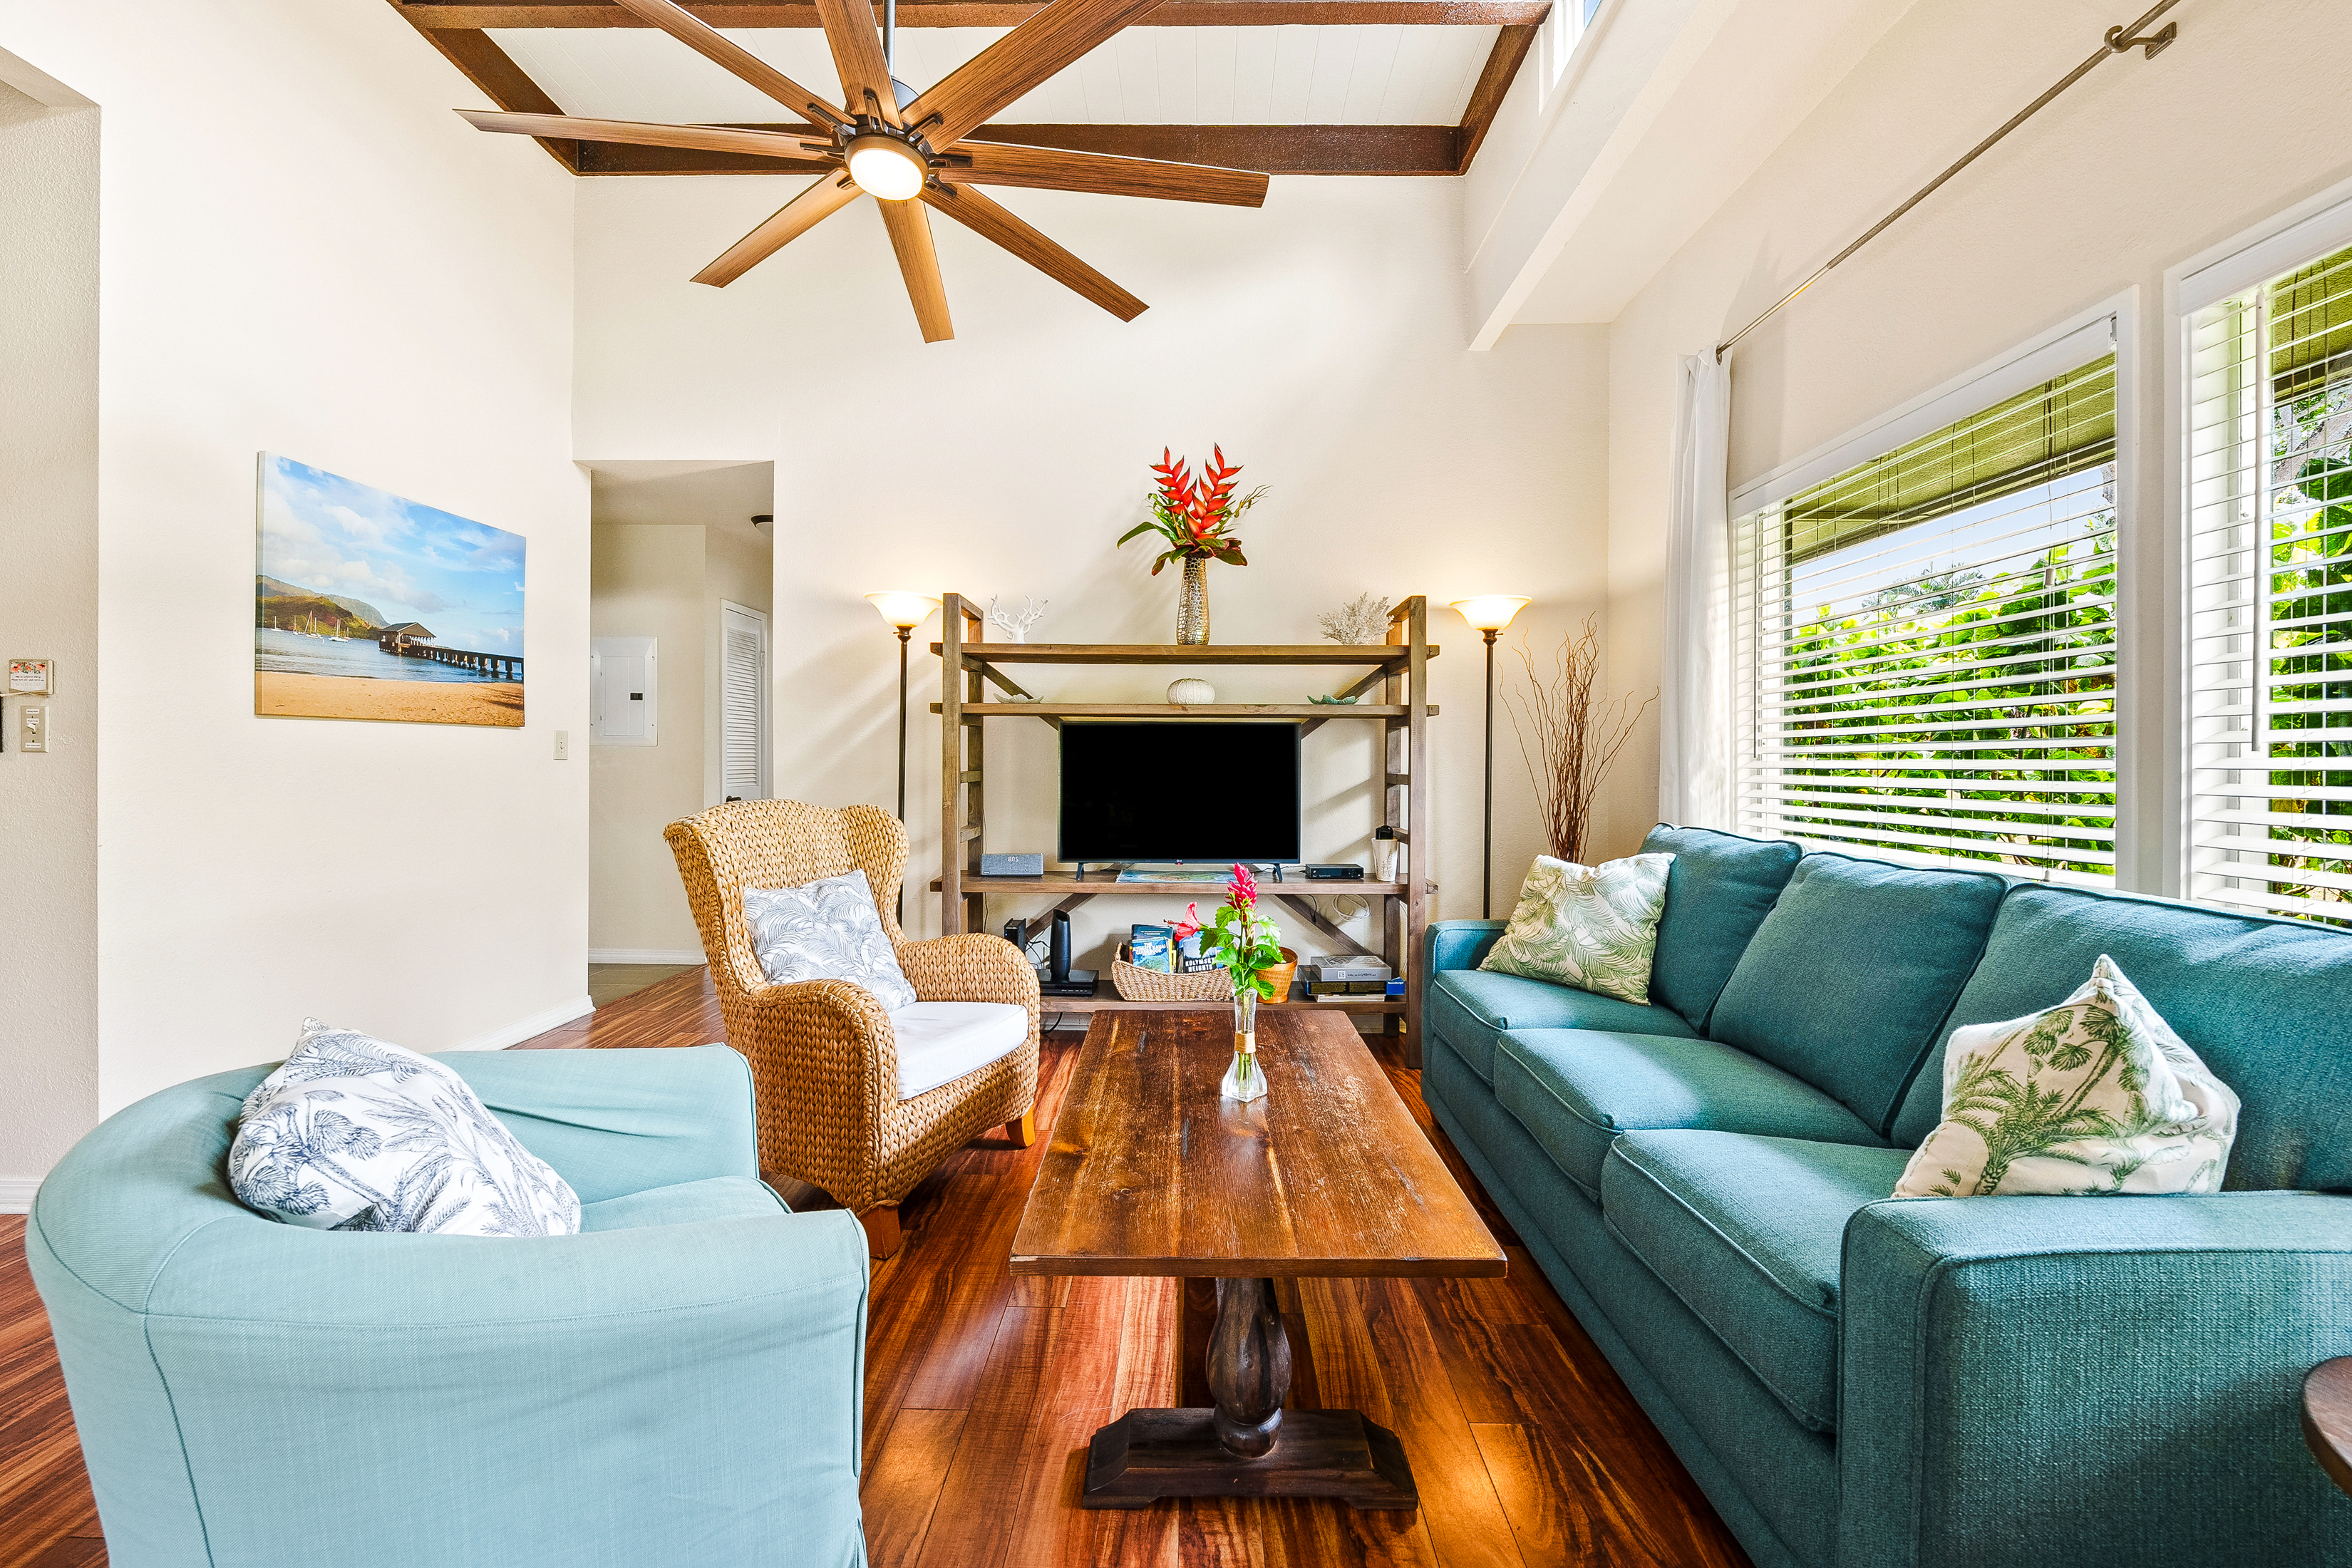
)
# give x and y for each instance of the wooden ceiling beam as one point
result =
(1510, 51)
(1270, 148)
(459, 15)
(493, 71)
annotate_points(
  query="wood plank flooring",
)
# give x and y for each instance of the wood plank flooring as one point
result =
(982, 1390)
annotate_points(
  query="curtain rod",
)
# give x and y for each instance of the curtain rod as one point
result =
(2119, 40)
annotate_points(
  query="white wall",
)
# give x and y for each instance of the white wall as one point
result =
(1321, 339)
(2140, 166)
(648, 582)
(48, 607)
(304, 250)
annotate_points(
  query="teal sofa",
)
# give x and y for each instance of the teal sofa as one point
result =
(681, 1383)
(1867, 1382)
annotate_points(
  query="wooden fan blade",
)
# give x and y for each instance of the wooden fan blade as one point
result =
(1055, 169)
(786, 148)
(717, 48)
(794, 218)
(911, 236)
(985, 219)
(858, 55)
(1045, 43)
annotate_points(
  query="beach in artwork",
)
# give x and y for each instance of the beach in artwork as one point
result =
(369, 606)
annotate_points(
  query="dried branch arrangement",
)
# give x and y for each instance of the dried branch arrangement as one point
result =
(1575, 739)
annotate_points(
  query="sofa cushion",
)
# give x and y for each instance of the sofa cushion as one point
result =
(1591, 926)
(1748, 1231)
(687, 1203)
(939, 1042)
(1849, 979)
(1721, 887)
(1471, 1008)
(1578, 1090)
(2263, 1001)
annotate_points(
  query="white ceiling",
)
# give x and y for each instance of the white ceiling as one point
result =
(720, 495)
(1145, 76)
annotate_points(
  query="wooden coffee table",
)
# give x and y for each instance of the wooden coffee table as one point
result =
(1149, 1173)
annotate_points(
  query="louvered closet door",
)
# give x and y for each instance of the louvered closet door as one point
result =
(743, 703)
(2269, 554)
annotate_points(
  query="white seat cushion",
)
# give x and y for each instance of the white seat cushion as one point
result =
(939, 1042)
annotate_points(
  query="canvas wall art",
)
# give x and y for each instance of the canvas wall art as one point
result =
(369, 606)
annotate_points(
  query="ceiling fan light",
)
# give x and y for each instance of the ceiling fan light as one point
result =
(885, 168)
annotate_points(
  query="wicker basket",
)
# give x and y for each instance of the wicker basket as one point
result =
(1158, 986)
(1209, 985)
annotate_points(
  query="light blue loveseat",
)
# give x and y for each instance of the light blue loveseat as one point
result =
(1865, 1382)
(679, 1383)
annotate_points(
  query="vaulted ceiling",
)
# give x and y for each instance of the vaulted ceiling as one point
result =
(1286, 87)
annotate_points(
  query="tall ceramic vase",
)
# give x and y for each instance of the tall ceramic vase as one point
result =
(1245, 1080)
(1192, 604)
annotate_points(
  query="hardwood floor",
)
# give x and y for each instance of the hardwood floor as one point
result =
(982, 1390)
(608, 983)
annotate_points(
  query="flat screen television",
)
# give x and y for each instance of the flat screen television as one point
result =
(1189, 791)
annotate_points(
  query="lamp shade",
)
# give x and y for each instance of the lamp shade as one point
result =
(903, 610)
(885, 168)
(1490, 612)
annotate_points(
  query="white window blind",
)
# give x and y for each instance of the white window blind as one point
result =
(742, 731)
(2270, 582)
(1926, 644)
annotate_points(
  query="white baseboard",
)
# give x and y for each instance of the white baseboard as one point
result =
(524, 1029)
(17, 1193)
(644, 956)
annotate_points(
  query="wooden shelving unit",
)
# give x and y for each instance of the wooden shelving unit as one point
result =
(1398, 667)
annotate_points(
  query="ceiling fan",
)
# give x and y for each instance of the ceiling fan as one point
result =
(913, 150)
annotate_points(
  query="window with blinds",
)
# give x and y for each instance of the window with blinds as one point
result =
(2269, 584)
(1926, 649)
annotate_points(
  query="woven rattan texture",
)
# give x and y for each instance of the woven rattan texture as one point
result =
(824, 1060)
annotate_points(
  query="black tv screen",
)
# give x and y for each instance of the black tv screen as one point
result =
(1180, 791)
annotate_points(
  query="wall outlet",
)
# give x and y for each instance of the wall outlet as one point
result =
(33, 728)
(563, 745)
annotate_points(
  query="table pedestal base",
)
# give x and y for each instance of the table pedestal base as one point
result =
(1145, 1455)
(1247, 1444)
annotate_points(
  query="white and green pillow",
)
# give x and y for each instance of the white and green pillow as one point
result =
(2096, 1096)
(1591, 926)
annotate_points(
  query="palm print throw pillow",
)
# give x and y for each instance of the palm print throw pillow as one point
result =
(826, 930)
(2096, 1096)
(353, 1134)
(1592, 927)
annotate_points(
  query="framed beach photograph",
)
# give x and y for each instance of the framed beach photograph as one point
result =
(370, 605)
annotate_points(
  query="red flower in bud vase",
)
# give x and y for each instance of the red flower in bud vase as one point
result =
(1243, 888)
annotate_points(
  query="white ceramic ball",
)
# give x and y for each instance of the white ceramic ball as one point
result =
(1191, 693)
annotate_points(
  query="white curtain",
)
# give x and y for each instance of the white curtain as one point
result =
(1695, 741)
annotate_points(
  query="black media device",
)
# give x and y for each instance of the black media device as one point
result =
(1193, 792)
(1334, 872)
(1060, 979)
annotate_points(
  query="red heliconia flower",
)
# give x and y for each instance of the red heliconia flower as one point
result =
(1242, 888)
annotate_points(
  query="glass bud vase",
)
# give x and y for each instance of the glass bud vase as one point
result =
(1245, 1080)
(1192, 601)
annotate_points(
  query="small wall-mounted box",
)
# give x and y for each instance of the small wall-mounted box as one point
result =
(1013, 865)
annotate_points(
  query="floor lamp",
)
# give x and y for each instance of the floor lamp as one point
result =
(1489, 614)
(904, 612)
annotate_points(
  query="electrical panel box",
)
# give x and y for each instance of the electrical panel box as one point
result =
(625, 680)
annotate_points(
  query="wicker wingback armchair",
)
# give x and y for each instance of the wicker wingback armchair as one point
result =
(822, 1052)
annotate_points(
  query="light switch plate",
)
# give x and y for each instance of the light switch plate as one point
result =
(33, 728)
(563, 745)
